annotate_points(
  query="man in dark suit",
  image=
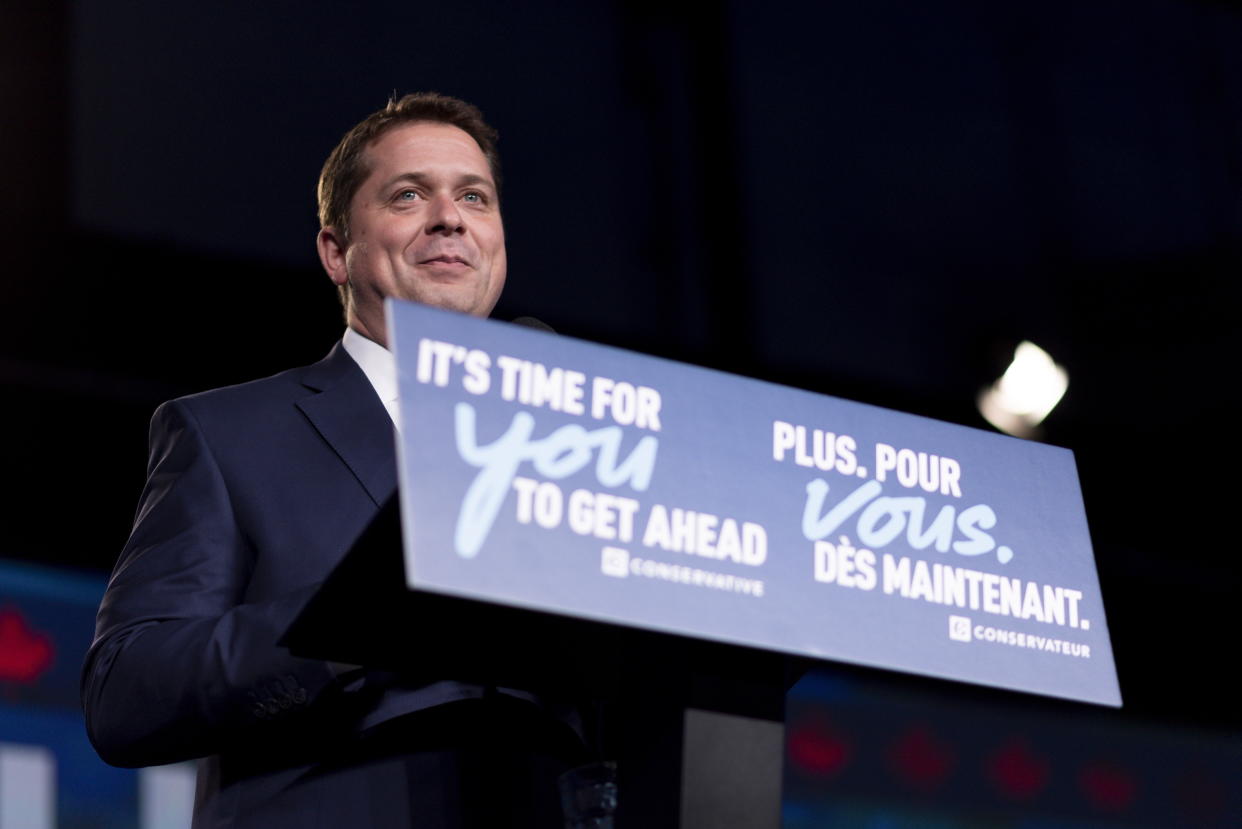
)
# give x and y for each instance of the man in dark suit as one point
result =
(254, 494)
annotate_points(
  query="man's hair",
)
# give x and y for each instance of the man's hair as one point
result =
(346, 168)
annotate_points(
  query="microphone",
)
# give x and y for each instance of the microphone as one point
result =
(531, 322)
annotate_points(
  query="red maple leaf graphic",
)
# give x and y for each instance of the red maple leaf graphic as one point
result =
(815, 747)
(922, 759)
(1108, 786)
(25, 653)
(1017, 770)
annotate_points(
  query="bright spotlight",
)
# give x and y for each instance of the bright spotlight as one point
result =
(1024, 395)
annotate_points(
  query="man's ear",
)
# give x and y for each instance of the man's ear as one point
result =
(331, 245)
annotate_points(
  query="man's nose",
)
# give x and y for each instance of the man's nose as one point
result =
(445, 217)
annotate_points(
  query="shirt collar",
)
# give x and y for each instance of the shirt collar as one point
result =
(378, 364)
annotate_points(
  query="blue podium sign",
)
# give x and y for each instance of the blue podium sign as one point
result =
(542, 472)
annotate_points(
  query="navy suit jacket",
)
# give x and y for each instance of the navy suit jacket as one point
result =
(254, 494)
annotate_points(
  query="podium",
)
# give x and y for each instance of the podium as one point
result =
(677, 543)
(696, 727)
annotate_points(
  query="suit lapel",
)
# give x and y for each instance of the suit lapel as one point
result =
(349, 415)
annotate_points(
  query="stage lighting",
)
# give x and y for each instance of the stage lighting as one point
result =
(1024, 395)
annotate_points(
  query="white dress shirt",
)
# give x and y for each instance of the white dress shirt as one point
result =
(380, 367)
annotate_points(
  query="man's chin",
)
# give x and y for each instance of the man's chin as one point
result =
(463, 302)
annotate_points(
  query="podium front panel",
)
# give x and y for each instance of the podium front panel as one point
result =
(543, 472)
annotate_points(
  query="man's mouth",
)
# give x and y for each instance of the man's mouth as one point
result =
(445, 259)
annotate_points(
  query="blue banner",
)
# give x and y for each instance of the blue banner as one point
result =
(544, 472)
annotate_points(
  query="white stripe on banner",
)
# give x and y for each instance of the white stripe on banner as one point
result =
(27, 787)
(166, 796)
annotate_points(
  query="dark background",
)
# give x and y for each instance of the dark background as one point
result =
(875, 201)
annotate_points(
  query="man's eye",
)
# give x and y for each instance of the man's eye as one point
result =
(407, 195)
(473, 198)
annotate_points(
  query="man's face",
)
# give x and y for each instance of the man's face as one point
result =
(425, 226)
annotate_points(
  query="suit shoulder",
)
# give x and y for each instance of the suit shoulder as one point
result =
(277, 391)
